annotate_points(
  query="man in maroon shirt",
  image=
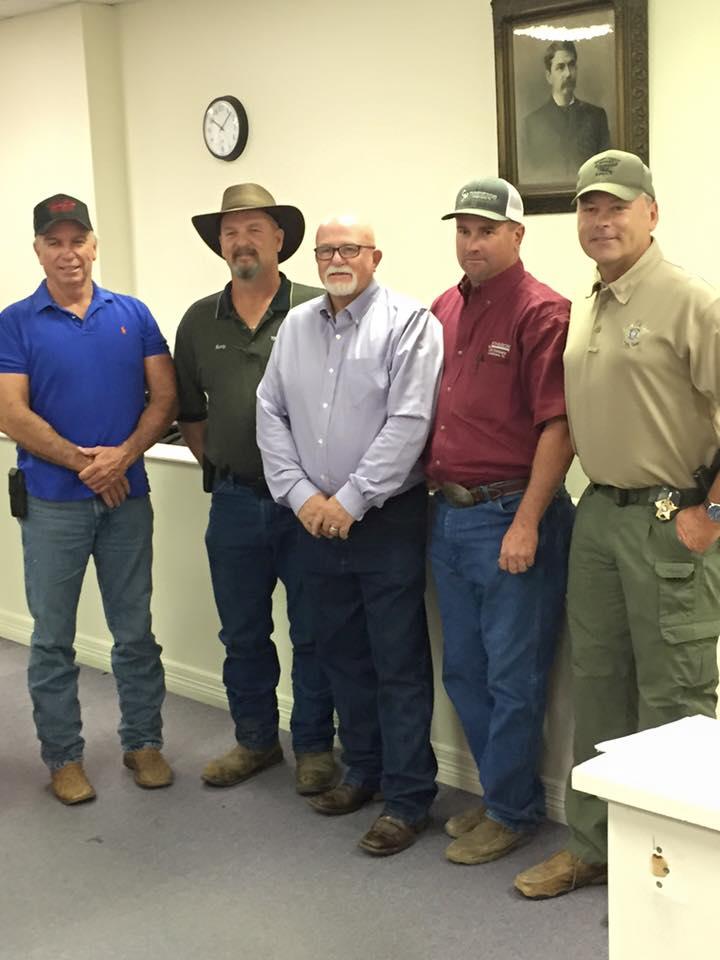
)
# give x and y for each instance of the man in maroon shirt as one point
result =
(497, 458)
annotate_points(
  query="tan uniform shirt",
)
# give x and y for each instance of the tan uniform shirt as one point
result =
(642, 376)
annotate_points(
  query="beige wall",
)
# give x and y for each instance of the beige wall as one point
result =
(385, 110)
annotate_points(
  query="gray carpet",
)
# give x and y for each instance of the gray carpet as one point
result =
(246, 872)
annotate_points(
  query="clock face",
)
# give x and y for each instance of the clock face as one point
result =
(225, 128)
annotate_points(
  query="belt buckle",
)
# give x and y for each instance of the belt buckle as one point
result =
(667, 503)
(457, 495)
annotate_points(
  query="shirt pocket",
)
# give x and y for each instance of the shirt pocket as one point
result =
(365, 380)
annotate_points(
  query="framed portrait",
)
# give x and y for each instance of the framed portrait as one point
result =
(572, 80)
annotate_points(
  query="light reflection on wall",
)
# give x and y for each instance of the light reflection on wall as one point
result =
(546, 32)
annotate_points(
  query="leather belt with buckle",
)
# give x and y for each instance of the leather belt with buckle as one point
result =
(459, 496)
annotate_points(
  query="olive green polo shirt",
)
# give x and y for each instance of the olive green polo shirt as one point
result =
(219, 362)
(642, 376)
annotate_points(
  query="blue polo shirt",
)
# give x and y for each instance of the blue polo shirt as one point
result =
(86, 378)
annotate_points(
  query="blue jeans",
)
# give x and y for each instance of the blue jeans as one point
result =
(251, 543)
(367, 597)
(58, 540)
(500, 632)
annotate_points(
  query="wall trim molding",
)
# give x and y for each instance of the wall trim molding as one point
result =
(456, 767)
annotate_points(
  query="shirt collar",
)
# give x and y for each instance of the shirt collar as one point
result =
(496, 286)
(280, 302)
(42, 299)
(624, 287)
(357, 309)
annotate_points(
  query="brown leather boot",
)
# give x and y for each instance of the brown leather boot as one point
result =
(150, 769)
(70, 785)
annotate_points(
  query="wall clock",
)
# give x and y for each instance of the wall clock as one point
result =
(225, 127)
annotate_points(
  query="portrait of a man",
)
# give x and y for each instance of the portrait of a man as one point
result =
(557, 137)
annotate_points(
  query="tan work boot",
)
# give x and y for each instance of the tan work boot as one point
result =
(465, 822)
(315, 772)
(150, 769)
(240, 763)
(488, 841)
(70, 785)
(562, 873)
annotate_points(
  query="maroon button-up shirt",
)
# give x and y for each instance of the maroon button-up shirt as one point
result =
(503, 377)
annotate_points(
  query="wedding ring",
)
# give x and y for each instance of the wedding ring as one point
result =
(333, 529)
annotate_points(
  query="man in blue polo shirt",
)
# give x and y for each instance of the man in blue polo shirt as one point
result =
(75, 363)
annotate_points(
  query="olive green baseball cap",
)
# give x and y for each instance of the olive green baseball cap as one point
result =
(621, 174)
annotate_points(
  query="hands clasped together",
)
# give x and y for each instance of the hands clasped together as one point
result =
(325, 517)
(104, 472)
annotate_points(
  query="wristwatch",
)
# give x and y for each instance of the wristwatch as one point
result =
(712, 510)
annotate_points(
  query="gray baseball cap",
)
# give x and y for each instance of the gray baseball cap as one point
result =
(492, 197)
(616, 172)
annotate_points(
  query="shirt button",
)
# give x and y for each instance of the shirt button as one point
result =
(323, 476)
(459, 353)
(597, 328)
(324, 406)
(449, 389)
(320, 441)
(437, 463)
(442, 426)
(331, 370)
(338, 336)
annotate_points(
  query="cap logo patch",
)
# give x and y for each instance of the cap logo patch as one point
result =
(61, 206)
(478, 195)
(605, 166)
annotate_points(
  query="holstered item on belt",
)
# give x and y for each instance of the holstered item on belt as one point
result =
(18, 493)
(460, 496)
(208, 474)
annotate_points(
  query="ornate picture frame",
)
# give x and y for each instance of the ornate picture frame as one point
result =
(571, 80)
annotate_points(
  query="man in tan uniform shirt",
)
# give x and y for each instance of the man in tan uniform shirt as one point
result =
(642, 383)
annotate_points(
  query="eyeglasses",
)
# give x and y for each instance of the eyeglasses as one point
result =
(348, 251)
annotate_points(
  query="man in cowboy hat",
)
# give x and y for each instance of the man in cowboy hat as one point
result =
(222, 347)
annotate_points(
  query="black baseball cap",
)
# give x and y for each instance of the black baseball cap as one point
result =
(57, 208)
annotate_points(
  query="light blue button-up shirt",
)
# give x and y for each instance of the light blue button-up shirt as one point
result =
(346, 402)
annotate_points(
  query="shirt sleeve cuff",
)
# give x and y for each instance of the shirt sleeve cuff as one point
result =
(353, 501)
(302, 491)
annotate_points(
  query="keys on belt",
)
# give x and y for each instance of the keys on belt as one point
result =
(459, 496)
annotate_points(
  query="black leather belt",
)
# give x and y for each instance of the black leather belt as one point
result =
(258, 487)
(459, 496)
(622, 497)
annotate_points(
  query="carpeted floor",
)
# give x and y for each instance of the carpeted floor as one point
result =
(246, 872)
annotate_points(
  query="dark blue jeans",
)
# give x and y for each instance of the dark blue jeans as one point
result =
(367, 598)
(500, 632)
(251, 543)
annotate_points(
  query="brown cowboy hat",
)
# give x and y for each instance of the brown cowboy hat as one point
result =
(251, 196)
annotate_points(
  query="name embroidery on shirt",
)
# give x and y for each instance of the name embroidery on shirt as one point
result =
(499, 350)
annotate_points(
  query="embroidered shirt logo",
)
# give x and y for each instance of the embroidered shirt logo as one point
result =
(123, 330)
(499, 350)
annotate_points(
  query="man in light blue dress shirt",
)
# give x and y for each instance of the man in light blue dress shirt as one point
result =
(344, 411)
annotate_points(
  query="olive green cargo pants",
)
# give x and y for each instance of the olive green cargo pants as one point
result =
(644, 617)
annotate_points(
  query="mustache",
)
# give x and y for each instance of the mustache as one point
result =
(335, 271)
(244, 252)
